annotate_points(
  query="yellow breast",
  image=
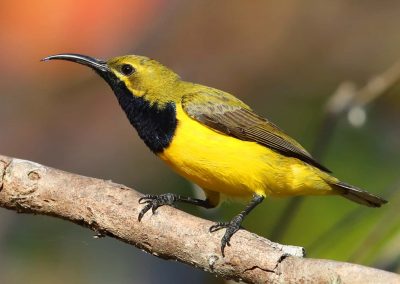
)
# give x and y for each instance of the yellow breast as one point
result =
(221, 163)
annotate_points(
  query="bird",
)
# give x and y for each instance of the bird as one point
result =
(213, 139)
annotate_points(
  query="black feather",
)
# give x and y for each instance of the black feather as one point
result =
(155, 124)
(359, 195)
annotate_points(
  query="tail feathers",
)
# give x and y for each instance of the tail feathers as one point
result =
(358, 195)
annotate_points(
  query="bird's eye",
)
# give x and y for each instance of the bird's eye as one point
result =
(127, 69)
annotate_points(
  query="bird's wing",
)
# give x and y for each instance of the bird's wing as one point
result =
(227, 114)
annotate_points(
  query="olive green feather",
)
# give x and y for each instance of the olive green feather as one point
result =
(229, 115)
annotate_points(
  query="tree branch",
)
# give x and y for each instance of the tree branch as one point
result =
(112, 209)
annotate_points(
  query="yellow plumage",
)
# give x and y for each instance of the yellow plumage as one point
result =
(221, 163)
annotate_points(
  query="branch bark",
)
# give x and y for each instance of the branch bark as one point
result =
(112, 209)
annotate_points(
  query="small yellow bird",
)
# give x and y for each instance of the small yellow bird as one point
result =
(213, 139)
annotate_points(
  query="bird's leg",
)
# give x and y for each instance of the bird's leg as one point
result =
(235, 224)
(154, 201)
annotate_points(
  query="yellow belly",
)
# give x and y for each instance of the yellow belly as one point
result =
(224, 164)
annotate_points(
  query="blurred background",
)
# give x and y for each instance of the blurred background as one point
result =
(284, 58)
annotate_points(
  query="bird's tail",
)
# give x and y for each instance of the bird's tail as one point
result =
(358, 195)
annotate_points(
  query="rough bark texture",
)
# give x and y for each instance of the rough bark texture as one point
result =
(112, 209)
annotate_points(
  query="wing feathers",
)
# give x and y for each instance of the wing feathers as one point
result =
(229, 115)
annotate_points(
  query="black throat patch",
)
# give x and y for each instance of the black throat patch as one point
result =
(155, 124)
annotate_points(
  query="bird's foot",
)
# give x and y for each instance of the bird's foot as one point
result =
(231, 228)
(154, 201)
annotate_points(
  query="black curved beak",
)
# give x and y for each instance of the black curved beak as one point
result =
(98, 65)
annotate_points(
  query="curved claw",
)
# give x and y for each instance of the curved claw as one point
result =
(151, 202)
(144, 210)
(154, 201)
(218, 226)
(225, 240)
(146, 199)
(231, 228)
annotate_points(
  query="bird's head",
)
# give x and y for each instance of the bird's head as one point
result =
(138, 74)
